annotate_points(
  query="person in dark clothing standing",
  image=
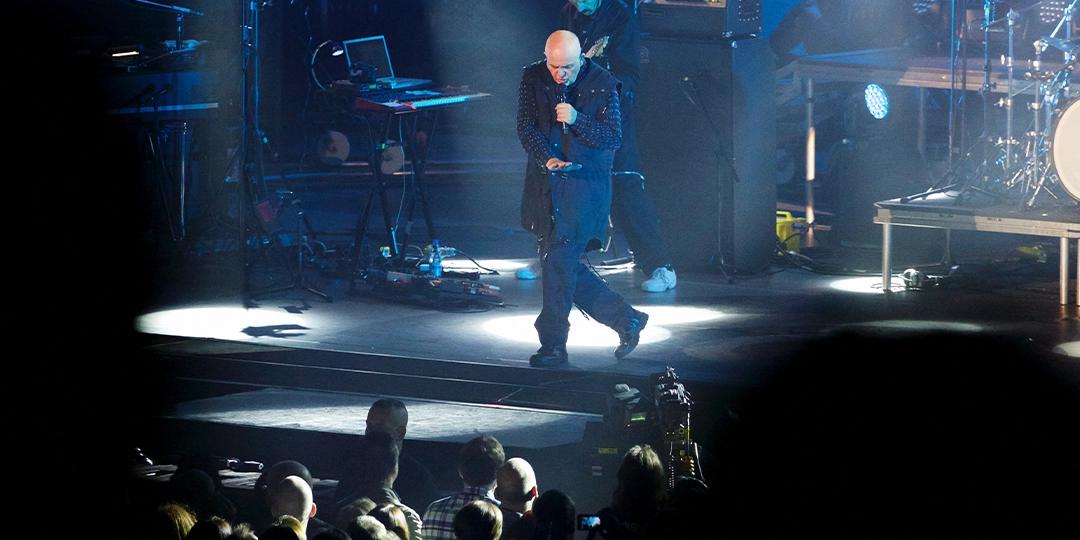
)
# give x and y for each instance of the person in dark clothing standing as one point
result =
(569, 124)
(608, 30)
(415, 483)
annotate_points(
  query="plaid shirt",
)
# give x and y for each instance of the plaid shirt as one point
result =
(438, 523)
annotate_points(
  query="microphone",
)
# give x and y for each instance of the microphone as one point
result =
(560, 92)
(161, 91)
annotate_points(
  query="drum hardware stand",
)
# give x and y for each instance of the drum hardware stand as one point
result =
(1008, 103)
(1033, 175)
(984, 90)
(962, 185)
(952, 81)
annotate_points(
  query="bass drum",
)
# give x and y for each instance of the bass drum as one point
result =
(1066, 141)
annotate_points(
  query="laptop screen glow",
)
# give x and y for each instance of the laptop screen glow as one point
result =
(370, 50)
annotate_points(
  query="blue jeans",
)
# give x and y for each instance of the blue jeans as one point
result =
(631, 208)
(566, 281)
(634, 214)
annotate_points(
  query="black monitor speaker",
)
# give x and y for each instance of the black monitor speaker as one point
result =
(706, 122)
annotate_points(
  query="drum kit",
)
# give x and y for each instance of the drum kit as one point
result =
(1048, 158)
(1042, 164)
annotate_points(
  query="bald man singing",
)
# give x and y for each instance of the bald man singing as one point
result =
(569, 124)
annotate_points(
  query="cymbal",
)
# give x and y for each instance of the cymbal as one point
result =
(1061, 44)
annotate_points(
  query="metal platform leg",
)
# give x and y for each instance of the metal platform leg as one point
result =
(886, 257)
(1078, 272)
(811, 141)
(1063, 271)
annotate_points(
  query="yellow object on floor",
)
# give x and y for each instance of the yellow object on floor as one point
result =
(789, 230)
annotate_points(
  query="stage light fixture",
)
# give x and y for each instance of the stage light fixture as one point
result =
(333, 72)
(877, 101)
(1051, 11)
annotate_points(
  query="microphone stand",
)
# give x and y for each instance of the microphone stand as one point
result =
(952, 80)
(956, 49)
(987, 142)
(253, 166)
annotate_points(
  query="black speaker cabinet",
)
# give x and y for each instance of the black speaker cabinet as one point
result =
(706, 123)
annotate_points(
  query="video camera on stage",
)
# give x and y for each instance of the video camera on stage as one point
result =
(663, 422)
(673, 403)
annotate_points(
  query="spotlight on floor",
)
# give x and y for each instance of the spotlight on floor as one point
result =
(589, 333)
(1069, 348)
(919, 326)
(583, 332)
(867, 285)
(499, 265)
(218, 322)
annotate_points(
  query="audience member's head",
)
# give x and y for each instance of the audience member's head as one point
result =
(393, 519)
(277, 472)
(292, 497)
(640, 487)
(331, 534)
(212, 528)
(195, 488)
(368, 528)
(197, 484)
(377, 454)
(347, 514)
(553, 516)
(519, 529)
(170, 521)
(243, 531)
(284, 528)
(479, 461)
(516, 485)
(388, 416)
(478, 520)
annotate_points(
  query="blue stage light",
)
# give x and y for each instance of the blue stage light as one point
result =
(877, 101)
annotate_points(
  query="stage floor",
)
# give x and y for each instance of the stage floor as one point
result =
(706, 328)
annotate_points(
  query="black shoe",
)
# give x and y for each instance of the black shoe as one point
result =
(628, 338)
(548, 357)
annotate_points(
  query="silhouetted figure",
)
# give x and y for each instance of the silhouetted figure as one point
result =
(919, 435)
(415, 485)
(553, 516)
(478, 520)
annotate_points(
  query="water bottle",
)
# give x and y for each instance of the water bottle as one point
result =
(436, 258)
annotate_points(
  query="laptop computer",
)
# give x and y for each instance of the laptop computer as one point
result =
(372, 55)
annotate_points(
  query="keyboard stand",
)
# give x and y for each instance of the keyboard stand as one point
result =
(416, 153)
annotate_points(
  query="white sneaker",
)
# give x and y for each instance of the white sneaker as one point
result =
(527, 272)
(662, 279)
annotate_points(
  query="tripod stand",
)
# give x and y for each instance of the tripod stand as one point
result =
(252, 166)
(965, 188)
(299, 280)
